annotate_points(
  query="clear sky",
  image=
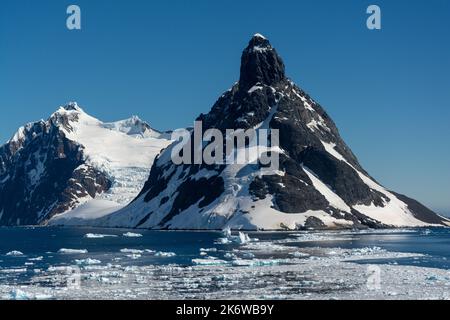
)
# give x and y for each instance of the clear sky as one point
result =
(167, 61)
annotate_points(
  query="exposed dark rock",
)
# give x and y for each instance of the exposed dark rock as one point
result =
(260, 63)
(314, 223)
(42, 173)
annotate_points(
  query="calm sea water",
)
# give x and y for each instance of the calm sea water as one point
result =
(45, 244)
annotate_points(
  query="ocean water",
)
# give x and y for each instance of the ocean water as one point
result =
(28, 257)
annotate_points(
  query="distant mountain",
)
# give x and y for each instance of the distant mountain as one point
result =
(51, 167)
(320, 183)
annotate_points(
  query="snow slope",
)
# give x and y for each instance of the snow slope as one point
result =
(123, 150)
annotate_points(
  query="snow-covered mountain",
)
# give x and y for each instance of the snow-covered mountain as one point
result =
(320, 183)
(72, 160)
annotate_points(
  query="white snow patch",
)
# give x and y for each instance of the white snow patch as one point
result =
(255, 88)
(123, 150)
(259, 35)
(394, 213)
(326, 191)
(85, 213)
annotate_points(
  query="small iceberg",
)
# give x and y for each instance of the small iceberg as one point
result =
(40, 258)
(14, 253)
(87, 262)
(298, 254)
(132, 235)
(165, 254)
(226, 232)
(241, 238)
(18, 294)
(99, 236)
(255, 263)
(133, 251)
(209, 262)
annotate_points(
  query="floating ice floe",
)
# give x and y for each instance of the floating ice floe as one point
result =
(72, 251)
(256, 262)
(223, 241)
(165, 254)
(316, 237)
(88, 261)
(99, 236)
(132, 251)
(209, 262)
(132, 235)
(248, 255)
(265, 247)
(14, 270)
(229, 255)
(14, 253)
(298, 254)
(40, 258)
(367, 251)
(18, 294)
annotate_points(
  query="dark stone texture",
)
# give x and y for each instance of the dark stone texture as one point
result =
(42, 174)
(260, 63)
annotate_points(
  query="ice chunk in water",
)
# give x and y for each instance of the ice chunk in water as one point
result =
(243, 238)
(132, 235)
(227, 232)
(209, 262)
(98, 236)
(132, 251)
(14, 253)
(165, 254)
(88, 261)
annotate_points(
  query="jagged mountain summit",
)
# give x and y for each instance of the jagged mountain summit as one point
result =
(72, 160)
(319, 184)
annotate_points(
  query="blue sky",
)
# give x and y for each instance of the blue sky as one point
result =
(167, 61)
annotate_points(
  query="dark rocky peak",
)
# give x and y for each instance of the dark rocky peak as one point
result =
(72, 106)
(260, 63)
(65, 115)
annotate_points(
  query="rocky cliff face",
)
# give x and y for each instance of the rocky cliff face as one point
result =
(50, 167)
